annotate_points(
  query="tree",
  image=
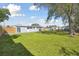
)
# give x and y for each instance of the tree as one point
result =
(35, 25)
(69, 12)
(4, 14)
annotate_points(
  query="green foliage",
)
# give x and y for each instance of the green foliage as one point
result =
(61, 10)
(9, 48)
(35, 25)
(4, 14)
(69, 12)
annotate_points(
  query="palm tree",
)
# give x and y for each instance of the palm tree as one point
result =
(69, 12)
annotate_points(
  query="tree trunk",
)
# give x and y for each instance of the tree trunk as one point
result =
(0, 31)
(71, 26)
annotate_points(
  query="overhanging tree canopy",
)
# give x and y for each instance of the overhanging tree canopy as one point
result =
(69, 12)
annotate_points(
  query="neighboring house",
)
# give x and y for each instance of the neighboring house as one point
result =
(7, 30)
(10, 29)
(22, 29)
(52, 27)
(19, 29)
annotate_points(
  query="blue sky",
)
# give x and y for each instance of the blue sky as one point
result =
(26, 14)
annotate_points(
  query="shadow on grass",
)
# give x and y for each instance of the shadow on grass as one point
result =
(68, 52)
(10, 48)
(55, 32)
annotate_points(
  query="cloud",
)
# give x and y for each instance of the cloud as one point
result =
(42, 20)
(34, 8)
(14, 9)
(33, 17)
(17, 15)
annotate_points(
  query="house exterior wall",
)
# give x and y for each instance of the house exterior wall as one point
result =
(25, 29)
(33, 30)
(10, 30)
(14, 30)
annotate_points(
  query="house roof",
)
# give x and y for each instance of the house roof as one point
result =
(30, 26)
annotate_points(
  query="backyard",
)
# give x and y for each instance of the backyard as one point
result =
(39, 44)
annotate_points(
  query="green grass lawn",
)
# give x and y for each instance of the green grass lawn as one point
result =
(40, 44)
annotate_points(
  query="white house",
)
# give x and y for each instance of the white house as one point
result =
(22, 29)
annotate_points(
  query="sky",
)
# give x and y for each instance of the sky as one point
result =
(26, 14)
